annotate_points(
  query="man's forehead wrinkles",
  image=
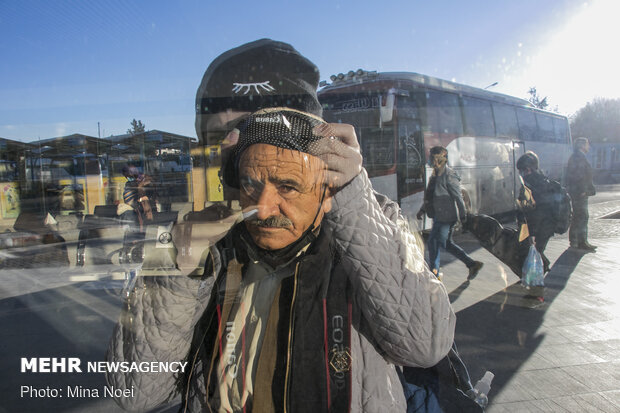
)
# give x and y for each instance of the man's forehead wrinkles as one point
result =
(255, 161)
(268, 163)
(275, 175)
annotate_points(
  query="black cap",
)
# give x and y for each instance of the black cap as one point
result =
(281, 127)
(261, 74)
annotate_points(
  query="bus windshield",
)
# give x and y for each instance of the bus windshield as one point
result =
(391, 145)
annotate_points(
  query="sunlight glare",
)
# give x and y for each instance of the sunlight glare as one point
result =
(579, 61)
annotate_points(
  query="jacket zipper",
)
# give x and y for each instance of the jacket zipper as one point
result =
(290, 341)
(191, 373)
(195, 357)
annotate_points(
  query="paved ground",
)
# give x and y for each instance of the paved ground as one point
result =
(559, 356)
(562, 355)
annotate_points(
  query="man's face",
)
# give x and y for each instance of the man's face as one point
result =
(286, 187)
(439, 160)
(586, 147)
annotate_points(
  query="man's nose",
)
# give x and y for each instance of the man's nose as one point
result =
(268, 202)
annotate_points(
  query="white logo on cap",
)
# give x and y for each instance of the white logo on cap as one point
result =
(246, 87)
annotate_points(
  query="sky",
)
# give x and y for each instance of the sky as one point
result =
(90, 67)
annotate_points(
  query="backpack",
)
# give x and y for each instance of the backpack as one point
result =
(429, 207)
(562, 207)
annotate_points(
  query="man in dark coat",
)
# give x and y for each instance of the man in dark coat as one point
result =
(580, 187)
(539, 213)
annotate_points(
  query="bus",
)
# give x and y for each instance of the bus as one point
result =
(66, 183)
(399, 116)
(67, 175)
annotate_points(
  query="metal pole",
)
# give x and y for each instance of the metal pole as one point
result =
(41, 178)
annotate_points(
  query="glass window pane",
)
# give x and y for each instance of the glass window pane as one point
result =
(527, 124)
(545, 127)
(377, 149)
(560, 127)
(505, 121)
(478, 117)
(443, 114)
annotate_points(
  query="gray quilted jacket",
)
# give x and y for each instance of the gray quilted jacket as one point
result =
(406, 315)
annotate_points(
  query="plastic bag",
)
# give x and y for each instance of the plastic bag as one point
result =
(532, 273)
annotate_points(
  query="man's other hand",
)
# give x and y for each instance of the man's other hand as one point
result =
(340, 151)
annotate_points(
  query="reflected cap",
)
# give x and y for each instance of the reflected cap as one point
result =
(261, 74)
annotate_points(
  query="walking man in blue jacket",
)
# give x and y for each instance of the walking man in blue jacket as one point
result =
(444, 203)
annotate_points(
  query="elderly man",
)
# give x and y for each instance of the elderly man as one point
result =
(311, 300)
(580, 187)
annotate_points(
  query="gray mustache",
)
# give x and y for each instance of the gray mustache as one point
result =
(272, 222)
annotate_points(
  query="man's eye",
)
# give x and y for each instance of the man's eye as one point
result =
(251, 187)
(286, 189)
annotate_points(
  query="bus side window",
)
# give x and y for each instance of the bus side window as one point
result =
(527, 125)
(560, 127)
(545, 127)
(443, 115)
(410, 145)
(505, 121)
(378, 149)
(478, 117)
